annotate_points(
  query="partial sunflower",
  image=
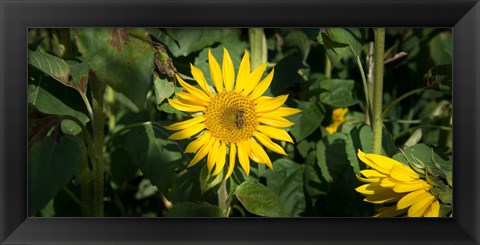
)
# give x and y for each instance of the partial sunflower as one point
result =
(338, 117)
(390, 181)
(233, 118)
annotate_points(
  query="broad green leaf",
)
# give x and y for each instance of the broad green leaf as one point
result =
(309, 121)
(163, 89)
(156, 157)
(286, 76)
(49, 99)
(50, 166)
(298, 39)
(360, 137)
(286, 180)
(207, 181)
(436, 160)
(331, 156)
(50, 65)
(259, 200)
(340, 41)
(182, 41)
(123, 58)
(441, 47)
(338, 93)
(190, 209)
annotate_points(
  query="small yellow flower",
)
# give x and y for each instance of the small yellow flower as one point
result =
(391, 181)
(338, 117)
(233, 118)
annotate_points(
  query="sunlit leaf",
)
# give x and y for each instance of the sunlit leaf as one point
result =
(259, 200)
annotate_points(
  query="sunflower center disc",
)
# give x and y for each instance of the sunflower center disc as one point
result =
(230, 117)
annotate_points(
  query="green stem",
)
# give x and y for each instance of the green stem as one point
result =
(403, 133)
(397, 100)
(368, 108)
(222, 198)
(328, 68)
(379, 49)
(87, 104)
(258, 47)
(85, 186)
(98, 91)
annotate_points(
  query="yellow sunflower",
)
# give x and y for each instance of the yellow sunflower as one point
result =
(391, 181)
(338, 117)
(234, 117)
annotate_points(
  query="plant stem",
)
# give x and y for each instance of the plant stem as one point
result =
(397, 100)
(379, 49)
(85, 185)
(87, 104)
(368, 108)
(98, 91)
(328, 68)
(258, 47)
(222, 198)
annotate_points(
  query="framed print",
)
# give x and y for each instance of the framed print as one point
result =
(239, 122)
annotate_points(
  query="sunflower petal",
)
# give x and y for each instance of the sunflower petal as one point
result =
(410, 186)
(202, 152)
(403, 173)
(267, 142)
(200, 78)
(181, 105)
(367, 180)
(189, 98)
(215, 72)
(253, 79)
(232, 154)
(412, 198)
(222, 153)
(212, 155)
(388, 182)
(433, 210)
(390, 211)
(192, 90)
(262, 86)
(366, 158)
(199, 142)
(227, 71)
(243, 73)
(266, 103)
(186, 124)
(189, 132)
(372, 173)
(418, 209)
(260, 152)
(285, 111)
(243, 152)
(275, 133)
(274, 121)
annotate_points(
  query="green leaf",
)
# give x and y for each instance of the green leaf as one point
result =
(183, 41)
(331, 156)
(51, 98)
(286, 180)
(123, 58)
(309, 121)
(207, 181)
(297, 39)
(50, 65)
(50, 166)
(123, 168)
(441, 48)
(190, 209)
(163, 88)
(259, 200)
(340, 41)
(157, 158)
(360, 137)
(338, 93)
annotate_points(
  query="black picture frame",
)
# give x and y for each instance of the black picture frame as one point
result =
(17, 16)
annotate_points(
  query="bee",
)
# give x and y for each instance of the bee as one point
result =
(239, 119)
